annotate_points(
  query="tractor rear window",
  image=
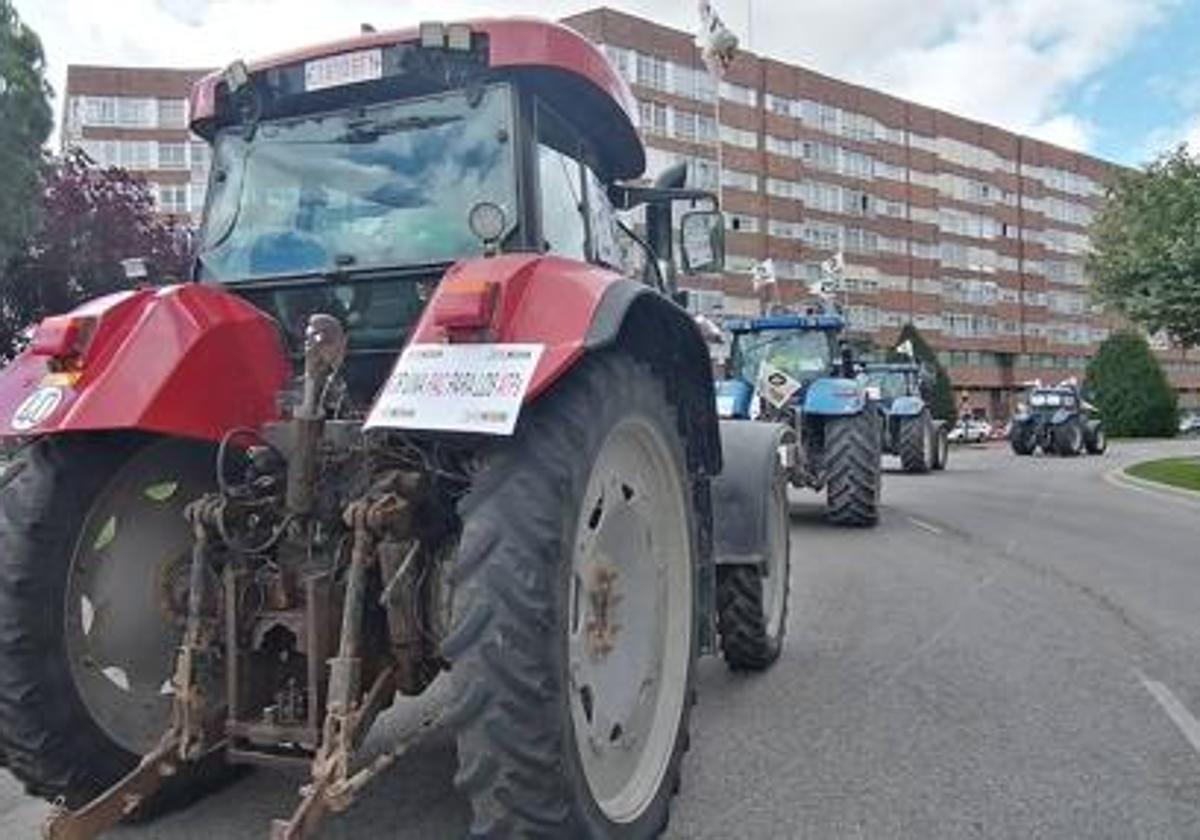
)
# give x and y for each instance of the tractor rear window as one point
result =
(801, 355)
(377, 187)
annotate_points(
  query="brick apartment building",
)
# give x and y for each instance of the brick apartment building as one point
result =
(974, 234)
(137, 118)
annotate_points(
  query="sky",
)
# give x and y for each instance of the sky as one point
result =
(1115, 78)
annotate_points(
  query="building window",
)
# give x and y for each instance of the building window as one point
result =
(172, 156)
(100, 110)
(135, 113)
(741, 223)
(737, 179)
(173, 198)
(199, 159)
(739, 137)
(653, 116)
(651, 71)
(172, 113)
(135, 154)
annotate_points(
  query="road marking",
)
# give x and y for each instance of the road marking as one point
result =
(1175, 710)
(925, 526)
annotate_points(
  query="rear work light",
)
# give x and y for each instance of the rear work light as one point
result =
(62, 337)
(466, 304)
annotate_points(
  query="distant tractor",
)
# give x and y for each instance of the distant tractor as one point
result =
(1057, 420)
(787, 369)
(416, 415)
(902, 392)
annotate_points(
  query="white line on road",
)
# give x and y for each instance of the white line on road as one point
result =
(925, 526)
(1175, 710)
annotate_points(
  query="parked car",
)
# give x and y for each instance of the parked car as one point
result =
(970, 431)
(1189, 424)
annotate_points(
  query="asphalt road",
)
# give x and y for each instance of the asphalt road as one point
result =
(1012, 653)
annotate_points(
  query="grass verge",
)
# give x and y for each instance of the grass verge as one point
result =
(1176, 472)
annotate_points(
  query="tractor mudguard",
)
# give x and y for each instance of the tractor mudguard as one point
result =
(1060, 416)
(741, 494)
(834, 397)
(733, 399)
(906, 407)
(187, 360)
(571, 308)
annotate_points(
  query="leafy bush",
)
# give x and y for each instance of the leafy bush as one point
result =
(1128, 385)
(942, 402)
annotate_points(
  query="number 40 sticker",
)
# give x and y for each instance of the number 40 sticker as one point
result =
(37, 407)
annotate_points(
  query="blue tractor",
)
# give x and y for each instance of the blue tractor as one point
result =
(788, 369)
(903, 391)
(1056, 419)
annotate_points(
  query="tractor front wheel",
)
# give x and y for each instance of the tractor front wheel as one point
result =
(574, 628)
(94, 554)
(941, 450)
(752, 600)
(852, 461)
(1022, 439)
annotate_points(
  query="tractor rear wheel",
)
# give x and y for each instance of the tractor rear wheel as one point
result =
(574, 631)
(1068, 438)
(941, 447)
(852, 460)
(93, 590)
(752, 600)
(916, 444)
(1096, 441)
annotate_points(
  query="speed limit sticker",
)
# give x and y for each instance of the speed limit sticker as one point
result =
(36, 408)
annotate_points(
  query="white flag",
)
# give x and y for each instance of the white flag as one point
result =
(906, 349)
(763, 274)
(718, 45)
(835, 265)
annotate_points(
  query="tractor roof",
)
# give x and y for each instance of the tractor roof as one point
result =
(786, 322)
(564, 67)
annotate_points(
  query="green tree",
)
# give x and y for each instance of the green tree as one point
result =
(25, 123)
(91, 219)
(1127, 384)
(942, 405)
(1146, 247)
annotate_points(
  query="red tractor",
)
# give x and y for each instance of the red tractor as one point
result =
(410, 417)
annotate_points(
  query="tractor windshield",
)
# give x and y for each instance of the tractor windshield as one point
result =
(1048, 399)
(801, 354)
(380, 186)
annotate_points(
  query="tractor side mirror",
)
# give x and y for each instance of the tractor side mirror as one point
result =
(702, 241)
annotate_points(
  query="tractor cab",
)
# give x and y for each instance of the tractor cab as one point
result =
(889, 381)
(1051, 400)
(348, 178)
(795, 349)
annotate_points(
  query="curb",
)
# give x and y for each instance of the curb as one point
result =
(1119, 477)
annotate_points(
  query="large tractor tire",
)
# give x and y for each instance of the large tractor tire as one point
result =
(752, 600)
(1022, 439)
(941, 447)
(94, 555)
(574, 626)
(1068, 438)
(852, 459)
(1096, 440)
(916, 443)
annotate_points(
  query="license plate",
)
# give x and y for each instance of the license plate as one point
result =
(344, 69)
(456, 388)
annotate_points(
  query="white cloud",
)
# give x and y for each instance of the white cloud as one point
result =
(1010, 62)
(1165, 139)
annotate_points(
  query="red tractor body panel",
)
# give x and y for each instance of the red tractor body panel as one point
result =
(539, 299)
(189, 360)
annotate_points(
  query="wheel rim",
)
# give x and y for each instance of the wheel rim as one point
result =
(1100, 441)
(775, 592)
(126, 594)
(927, 445)
(630, 619)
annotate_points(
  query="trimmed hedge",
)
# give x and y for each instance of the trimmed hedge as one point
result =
(1128, 385)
